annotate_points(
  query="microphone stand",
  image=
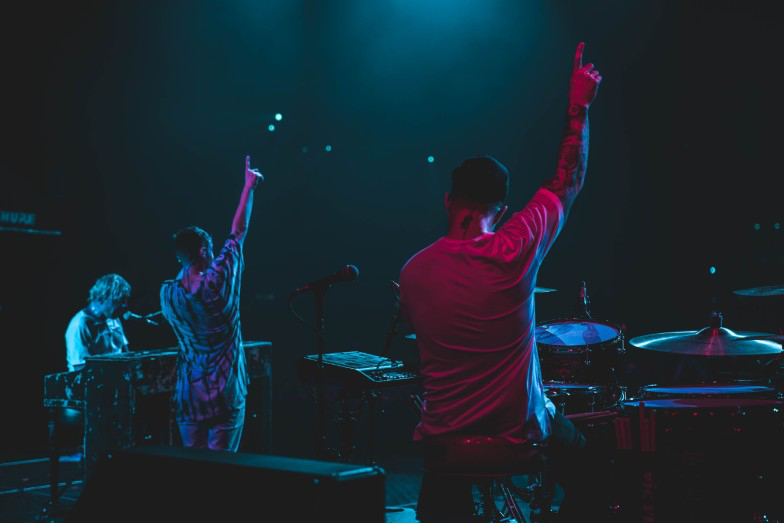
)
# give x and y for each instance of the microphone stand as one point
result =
(372, 395)
(321, 402)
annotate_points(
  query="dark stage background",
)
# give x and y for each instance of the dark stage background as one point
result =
(124, 122)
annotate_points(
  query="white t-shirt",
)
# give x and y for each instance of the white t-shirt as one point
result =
(471, 305)
(88, 336)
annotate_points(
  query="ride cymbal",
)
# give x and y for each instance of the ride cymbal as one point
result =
(710, 341)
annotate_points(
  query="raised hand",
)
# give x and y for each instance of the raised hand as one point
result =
(252, 176)
(585, 80)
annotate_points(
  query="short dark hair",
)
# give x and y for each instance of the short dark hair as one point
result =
(189, 241)
(481, 180)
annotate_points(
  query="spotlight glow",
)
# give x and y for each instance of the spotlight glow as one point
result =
(430, 159)
(278, 116)
(271, 128)
(328, 148)
(756, 226)
(712, 270)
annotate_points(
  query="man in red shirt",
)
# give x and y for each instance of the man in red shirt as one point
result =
(469, 297)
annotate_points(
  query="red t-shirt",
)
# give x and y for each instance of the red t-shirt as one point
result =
(471, 305)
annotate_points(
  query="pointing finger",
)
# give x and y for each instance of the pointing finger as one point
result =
(578, 56)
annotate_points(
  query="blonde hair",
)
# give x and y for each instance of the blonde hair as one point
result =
(110, 287)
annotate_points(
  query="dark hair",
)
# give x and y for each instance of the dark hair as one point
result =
(110, 287)
(188, 242)
(480, 180)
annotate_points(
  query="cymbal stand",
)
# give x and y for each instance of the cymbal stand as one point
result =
(585, 300)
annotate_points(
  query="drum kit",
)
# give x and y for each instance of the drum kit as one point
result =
(581, 359)
(715, 424)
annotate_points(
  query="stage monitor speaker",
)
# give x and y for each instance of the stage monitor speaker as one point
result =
(177, 484)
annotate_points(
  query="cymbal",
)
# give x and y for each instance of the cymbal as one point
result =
(710, 341)
(540, 290)
(766, 290)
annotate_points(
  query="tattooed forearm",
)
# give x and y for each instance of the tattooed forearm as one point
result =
(572, 157)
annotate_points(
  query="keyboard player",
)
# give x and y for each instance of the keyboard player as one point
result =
(97, 328)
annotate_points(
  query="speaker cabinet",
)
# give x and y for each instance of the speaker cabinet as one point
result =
(179, 484)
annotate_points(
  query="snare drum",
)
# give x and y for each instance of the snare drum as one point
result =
(574, 398)
(719, 390)
(579, 350)
(577, 398)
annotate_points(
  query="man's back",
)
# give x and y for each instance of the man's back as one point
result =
(211, 371)
(470, 303)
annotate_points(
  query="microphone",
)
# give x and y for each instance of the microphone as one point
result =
(148, 318)
(347, 273)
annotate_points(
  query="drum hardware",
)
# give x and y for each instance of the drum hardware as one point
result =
(586, 301)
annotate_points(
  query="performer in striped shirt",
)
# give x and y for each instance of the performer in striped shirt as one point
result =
(203, 307)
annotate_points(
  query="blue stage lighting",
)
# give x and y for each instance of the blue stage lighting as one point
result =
(278, 116)
(271, 128)
(328, 148)
(712, 270)
(430, 159)
(756, 226)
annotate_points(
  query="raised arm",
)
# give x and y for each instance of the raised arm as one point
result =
(573, 152)
(239, 226)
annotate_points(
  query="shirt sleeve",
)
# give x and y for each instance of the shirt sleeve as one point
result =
(78, 341)
(536, 226)
(226, 269)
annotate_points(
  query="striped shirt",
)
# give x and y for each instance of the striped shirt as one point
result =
(212, 377)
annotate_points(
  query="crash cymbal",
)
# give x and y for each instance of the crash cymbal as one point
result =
(540, 290)
(766, 290)
(410, 337)
(710, 341)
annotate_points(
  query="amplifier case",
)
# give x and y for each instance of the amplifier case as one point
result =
(178, 484)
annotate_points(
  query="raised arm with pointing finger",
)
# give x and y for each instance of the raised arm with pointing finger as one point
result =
(239, 226)
(202, 305)
(573, 152)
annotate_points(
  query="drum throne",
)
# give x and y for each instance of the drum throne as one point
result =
(489, 463)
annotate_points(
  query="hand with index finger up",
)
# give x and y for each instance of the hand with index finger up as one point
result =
(585, 81)
(252, 176)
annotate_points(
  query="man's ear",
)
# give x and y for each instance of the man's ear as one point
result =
(500, 214)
